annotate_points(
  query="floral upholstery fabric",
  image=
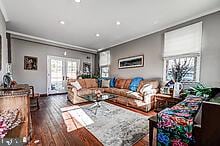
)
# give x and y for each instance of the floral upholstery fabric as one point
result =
(175, 124)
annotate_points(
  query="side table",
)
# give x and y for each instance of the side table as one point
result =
(152, 125)
(163, 101)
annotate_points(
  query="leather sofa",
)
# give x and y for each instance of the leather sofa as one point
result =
(126, 97)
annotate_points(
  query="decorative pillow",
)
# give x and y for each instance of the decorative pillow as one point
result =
(146, 89)
(120, 83)
(127, 83)
(76, 85)
(135, 83)
(112, 82)
(105, 83)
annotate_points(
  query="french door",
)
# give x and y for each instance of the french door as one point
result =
(59, 70)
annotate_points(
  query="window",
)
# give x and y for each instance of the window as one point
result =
(190, 67)
(105, 71)
(182, 48)
(104, 63)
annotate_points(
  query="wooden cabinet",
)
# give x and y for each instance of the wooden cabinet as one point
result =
(18, 99)
(163, 101)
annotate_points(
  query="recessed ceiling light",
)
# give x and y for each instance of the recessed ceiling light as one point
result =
(77, 1)
(118, 23)
(97, 35)
(62, 22)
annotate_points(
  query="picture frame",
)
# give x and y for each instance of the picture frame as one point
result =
(30, 63)
(87, 67)
(131, 62)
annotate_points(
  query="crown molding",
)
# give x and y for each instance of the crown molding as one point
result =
(161, 29)
(4, 12)
(26, 37)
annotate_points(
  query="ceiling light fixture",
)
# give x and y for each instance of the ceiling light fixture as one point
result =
(62, 22)
(118, 23)
(97, 35)
(77, 1)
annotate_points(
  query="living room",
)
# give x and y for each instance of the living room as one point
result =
(79, 72)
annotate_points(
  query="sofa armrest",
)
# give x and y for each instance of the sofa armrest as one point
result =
(149, 98)
(69, 87)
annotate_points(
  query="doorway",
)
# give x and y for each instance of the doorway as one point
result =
(59, 70)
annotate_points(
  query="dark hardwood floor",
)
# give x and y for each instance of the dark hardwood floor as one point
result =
(49, 127)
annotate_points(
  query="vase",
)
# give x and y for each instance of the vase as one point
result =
(178, 87)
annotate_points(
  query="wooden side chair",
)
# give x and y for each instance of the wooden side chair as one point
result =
(34, 99)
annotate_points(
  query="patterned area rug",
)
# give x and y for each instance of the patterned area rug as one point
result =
(112, 125)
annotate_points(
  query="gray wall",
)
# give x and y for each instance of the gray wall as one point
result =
(152, 48)
(4, 46)
(38, 78)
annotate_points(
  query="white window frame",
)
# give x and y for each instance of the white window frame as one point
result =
(174, 42)
(107, 64)
(197, 67)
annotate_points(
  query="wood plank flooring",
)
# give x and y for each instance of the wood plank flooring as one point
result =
(50, 129)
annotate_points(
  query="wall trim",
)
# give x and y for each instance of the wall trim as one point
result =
(163, 28)
(26, 37)
(4, 12)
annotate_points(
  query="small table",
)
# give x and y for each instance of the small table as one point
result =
(97, 100)
(163, 101)
(152, 125)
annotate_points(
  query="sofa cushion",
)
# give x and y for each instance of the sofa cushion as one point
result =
(155, 84)
(120, 83)
(135, 83)
(82, 83)
(91, 83)
(94, 89)
(120, 92)
(135, 95)
(127, 84)
(84, 92)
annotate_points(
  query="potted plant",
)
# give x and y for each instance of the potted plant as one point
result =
(201, 90)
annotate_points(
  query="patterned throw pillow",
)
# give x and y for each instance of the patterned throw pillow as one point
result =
(76, 85)
(146, 89)
(105, 83)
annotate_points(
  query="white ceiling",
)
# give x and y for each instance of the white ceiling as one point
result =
(83, 20)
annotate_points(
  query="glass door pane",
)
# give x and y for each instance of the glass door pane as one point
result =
(71, 70)
(59, 71)
(56, 76)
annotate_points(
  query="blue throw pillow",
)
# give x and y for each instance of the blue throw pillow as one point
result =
(112, 82)
(135, 83)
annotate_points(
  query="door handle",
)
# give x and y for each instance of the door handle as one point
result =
(63, 78)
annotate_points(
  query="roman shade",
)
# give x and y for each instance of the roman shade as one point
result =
(183, 41)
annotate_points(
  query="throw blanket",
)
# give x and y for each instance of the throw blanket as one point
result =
(175, 124)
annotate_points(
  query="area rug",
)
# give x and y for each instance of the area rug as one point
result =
(111, 125)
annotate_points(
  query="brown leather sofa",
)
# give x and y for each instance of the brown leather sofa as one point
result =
(124, 95)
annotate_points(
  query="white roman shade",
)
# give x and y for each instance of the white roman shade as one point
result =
(104, 59)
(183, 41)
